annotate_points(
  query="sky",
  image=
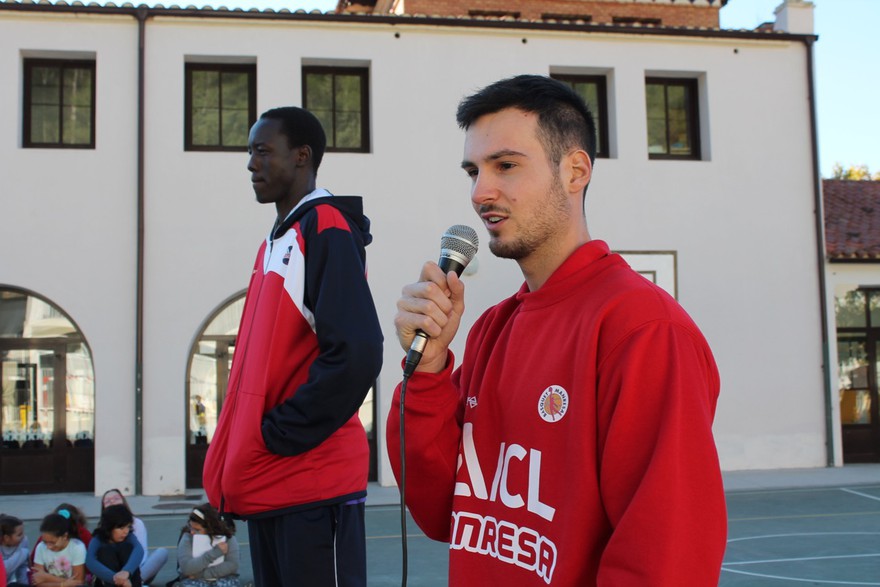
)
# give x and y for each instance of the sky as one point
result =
(847, 60)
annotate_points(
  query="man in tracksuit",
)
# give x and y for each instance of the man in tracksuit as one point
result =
(289, 454)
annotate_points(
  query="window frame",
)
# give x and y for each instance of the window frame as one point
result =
(364, 74)
(28, 64)
(691, 86)
(221, 68)
(601, 81)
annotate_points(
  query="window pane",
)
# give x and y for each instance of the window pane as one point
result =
(676, 98)
(45, 124)
(319, 101)
(45, 85)
(77, 87)
(28, 381)
(203, 388)
(205, 115)
(657, 136)
(855, 398)
(76, 113)
(656, 101)
(589, 91)
(348, 107)
(45, 99)
(874, 307)
(80, 396)
(77, 125)
(655, 97)
(326, 119)
(678, 109)
(235, 128)
(235, 91)
(206, 127)
(319, 92)
(348, 93)
(205, 89)
(348, 131)
(850, 309)
(24, 316)
(679, 138)
(234, 97)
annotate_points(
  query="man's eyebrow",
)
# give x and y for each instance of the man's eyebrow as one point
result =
(495, 156)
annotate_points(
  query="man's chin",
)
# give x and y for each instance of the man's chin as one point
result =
(507, 250)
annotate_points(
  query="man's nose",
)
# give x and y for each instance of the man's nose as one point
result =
(483, 190)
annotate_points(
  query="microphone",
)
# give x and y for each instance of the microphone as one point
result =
(458, 246)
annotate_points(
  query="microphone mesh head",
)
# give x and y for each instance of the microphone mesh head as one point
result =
(461, 239)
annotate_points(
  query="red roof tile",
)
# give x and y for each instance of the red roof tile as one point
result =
(852, 219)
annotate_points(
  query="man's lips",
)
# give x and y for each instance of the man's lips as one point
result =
(492, 219)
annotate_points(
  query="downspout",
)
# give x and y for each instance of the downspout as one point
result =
(820, 257)
(141, 15)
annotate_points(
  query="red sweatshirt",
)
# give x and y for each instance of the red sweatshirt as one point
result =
(574, 444)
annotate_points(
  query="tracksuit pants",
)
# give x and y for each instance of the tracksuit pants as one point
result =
(320, 547)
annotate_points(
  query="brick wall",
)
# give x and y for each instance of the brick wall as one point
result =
(680, 14)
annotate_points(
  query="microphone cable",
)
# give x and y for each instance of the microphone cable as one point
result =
(404, 567)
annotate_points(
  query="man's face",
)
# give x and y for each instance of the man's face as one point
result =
(272, 163)
(516, 190)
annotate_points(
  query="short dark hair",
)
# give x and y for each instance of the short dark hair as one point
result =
(8, 524)
(564, 119)
(115, 516)
(301, 128)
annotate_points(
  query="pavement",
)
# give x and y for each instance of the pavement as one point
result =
(774, 511)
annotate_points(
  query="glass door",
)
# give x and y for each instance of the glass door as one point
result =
(858, 332)
(29, 416)
(43, 425)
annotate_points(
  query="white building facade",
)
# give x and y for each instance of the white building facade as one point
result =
(142, 242)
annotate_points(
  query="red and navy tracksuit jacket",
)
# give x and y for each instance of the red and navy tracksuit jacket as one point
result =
(308, 350)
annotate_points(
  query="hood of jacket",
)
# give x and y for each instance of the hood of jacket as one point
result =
(352, 207)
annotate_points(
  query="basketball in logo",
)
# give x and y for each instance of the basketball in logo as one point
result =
(553, 404)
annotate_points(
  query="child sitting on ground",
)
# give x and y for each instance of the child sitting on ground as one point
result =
(59, 559)
(80, 528)
(207, 552)
(114, 555)
(14, 549)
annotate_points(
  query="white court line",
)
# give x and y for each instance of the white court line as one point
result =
(801, 559)
(724, 566)
(860, 494)
(813, 581)
(790, 535)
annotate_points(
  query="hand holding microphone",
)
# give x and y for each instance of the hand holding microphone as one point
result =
(433, 306)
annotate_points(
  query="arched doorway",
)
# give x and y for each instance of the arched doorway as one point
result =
(209, 365)
(47, 412)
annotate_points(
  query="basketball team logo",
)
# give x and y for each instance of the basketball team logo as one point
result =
(553, 404)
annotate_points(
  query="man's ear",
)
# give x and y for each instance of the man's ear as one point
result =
(579, 171)
(303, 155)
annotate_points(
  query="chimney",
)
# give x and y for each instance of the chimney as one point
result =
(794, 16)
